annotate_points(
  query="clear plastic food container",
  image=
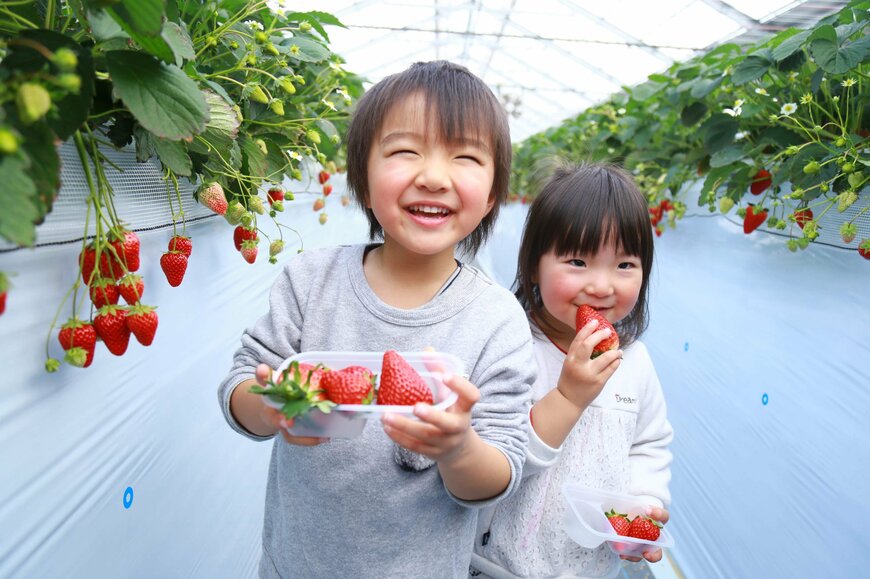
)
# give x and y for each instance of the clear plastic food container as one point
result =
(348, 420)
(587, 525)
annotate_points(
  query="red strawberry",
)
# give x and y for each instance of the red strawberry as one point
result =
(131, 287)
(309, 377)
(212, 196)
(619, 522)
(182, 244)
(753, 219)
(318, 204)
(323, 177)
(644, 528)
(111, 262)
(327, 189)
(78, 334)
(864, 248)
(274, 194)
(298, 389)
(2, 302)
(400, 383)
(760, 182)
(128, 250)
(142, 322)
(351, 385)
(585, 314)
(87, 262)
(802, 216)
(104, 292)
(242, 234)
(249, 250)
(112, 329)
(173, 264)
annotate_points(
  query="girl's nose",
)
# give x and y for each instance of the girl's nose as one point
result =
(599, 285)
(433, 176)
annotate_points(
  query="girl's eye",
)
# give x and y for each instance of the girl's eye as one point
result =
(627, 265)
(577, 262)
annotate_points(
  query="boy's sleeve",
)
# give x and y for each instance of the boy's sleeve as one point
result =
(504, 375)
(271, 340)
(650, 456)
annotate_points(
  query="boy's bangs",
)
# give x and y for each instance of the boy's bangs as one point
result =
(461, 119)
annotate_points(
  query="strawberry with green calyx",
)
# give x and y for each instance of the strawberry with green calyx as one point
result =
(323, 177)
(586, 314)
(864, 248)
(803, 216)
(142, 323)
(645, 528)
(725, 205)
(77, 337)
(181, 243)
(351, 385)
(400, 383)
(297, 390)
(255, 204)
(760, 182)
(173, 264)
(131, 287)
(755, 216)
(234, 212)
(104, 292)
(848, 231)
(242, 234)
(276, 247)
(274, 194)
(277, 107)
(111, 326)
(619, 522)
(249, 250)
(212, 196)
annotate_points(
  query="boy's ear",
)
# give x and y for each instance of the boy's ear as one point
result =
(490, 202)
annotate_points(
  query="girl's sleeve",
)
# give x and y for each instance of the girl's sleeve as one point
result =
(650, 456)
(272, 339)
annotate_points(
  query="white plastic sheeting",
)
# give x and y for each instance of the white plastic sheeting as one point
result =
(127, 469)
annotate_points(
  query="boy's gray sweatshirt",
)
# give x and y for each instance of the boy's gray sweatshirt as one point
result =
(347, 508)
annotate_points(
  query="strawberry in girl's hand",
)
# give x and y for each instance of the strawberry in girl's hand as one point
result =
(644, 528)
(753, 219)
(111, 326)
(351, 385)
(142, 322)
(760, 182)
(400, 383)
(619, 522)
(586, 314)
(104, 292)
(212, 196)
(173, 264)
(182, 244)
(76, 338)
(131, 287)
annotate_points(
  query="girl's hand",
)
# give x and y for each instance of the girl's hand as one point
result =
(582, 378)
(441, 435)
(661, 515)
(276, 418)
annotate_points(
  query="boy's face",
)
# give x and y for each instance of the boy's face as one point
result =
(427, 195)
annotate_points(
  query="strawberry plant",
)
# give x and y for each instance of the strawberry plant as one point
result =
(783, 124)
(232, 96)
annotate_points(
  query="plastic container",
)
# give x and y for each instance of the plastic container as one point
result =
(348, 420)
(587, 525)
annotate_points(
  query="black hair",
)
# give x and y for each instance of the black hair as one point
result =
(581, 209)
(461, 101)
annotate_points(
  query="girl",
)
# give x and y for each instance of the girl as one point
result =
(598, 422)
(429, 158)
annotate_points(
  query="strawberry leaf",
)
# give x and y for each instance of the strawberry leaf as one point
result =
(17, 197)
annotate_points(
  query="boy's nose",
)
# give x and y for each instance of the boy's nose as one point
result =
(433, 176)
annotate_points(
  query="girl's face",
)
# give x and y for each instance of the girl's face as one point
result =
(428, 195)
(609, 281)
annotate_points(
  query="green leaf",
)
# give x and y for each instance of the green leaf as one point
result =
(645, 91)
(162, 98)
(44, 166)
(753, 67)
(222, 117)
(17, 200)
(693, 113)
(309, 50)
(315, 18)
(705, 86)
(144, 17)
(790, 45)
(173, 155)
(836, 59)
(179, 42)
(727, 156)
(718, 132)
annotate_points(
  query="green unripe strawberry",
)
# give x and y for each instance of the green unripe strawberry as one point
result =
(823, 187)
(288, 86)
(277, 107)
(792, 245)
(812, 167)
(276, 247)
(741, 212)
(261, 37)
(8, 141)
(272, 49)
(848, 167)
(848, 231)
(65, 59)
(840, 142)
(845, 200)
(33, 102)
(305, 26)
(258, 95)
(313, 136)
(803, 242)
(856, 179)
(796, 193)
(234, 213)
(70, 82)
(255, 204)
(261, 144)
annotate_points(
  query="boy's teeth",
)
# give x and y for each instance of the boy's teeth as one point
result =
(426, 209)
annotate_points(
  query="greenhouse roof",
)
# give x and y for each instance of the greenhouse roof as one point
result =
(548, 60)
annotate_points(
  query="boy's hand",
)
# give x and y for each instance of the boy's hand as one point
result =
(583, 378)
(441, 435)
(276, 418)
(661, 515)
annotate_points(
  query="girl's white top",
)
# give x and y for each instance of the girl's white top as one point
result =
(620, 444)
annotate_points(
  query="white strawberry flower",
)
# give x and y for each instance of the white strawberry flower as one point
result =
(788, 108)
